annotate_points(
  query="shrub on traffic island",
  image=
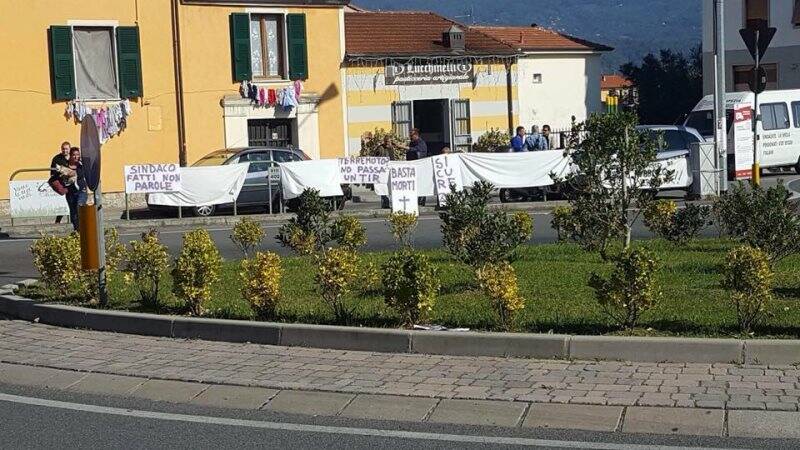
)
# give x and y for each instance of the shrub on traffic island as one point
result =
(144, 266)
(668, 222)
(499, 281)
(410, 285)
(247, 235)
(747, 274)
(261, 283)
(196, 269)
(310, 230)
(349, 232)
(58, 260)
(630, 289)
(336, 272)
(402, 226)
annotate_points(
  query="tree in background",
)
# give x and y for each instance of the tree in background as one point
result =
(670, 84)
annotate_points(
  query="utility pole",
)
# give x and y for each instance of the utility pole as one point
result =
(720, 119)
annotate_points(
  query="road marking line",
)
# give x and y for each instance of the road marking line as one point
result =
(304, 428)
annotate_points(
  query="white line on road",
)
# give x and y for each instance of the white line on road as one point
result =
(305, 428)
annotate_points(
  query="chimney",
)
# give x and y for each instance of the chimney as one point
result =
(454, 39)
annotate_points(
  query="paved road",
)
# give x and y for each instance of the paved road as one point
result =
(37, 418)
(16, 262)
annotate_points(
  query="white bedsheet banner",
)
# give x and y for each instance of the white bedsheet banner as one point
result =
(503, 170)
(320, 174)
(200, 186)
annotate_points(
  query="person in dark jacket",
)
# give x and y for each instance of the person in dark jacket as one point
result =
(60, 160)
(75, 183)
(418, 149)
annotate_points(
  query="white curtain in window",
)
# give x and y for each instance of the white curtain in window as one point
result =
(256, 58)
(273, 51)
(95, 69)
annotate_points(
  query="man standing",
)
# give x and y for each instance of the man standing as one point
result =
(518, 141)
(418, 149)
(549, 138)
(535, 141)
(60, 160)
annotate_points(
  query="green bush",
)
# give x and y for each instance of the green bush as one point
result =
(196, 269)
(384, 143)
(630, 289)
(58, 260)
(493, 141)
(410, 285)
(747, 274)
(562, 222)
(247, 235)
(310, 227)
(336, 273)
(668, 222)
(762, 218)
(499, 281)
(145, 265)
(476, 236)
(261, 283)
(402, 226)
(349, 232)
(115, 250)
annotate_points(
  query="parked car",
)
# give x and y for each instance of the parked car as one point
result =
(672, 137)
(255, 191)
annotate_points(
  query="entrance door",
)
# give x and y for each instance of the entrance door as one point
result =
(432, 119)
(269, 133)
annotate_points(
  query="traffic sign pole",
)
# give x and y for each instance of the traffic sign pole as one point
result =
(756, 177)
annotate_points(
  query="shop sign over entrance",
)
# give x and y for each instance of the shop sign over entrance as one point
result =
(429, 73)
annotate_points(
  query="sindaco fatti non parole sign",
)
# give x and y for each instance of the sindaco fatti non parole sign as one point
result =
(152, 178)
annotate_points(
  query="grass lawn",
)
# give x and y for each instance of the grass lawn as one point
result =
(553, 280)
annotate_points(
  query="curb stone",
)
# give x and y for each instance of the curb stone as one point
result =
(524, 345)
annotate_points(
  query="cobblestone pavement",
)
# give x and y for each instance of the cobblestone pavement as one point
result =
(543, 381)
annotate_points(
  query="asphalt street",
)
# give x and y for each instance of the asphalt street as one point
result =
(16, 261)
(41, 418)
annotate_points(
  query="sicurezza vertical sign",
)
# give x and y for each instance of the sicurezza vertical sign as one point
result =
(743, 140)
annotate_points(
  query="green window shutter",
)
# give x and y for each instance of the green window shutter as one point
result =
(240, 47)
(62, 65)
(129, 62)
(298, 46)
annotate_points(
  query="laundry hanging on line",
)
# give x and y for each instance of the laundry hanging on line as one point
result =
(110, 118)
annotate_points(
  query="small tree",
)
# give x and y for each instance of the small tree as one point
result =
(410, 285)
(747, 274)
(499, 281)
(311, 227)
(402, 226)
(384, 143)
(196, 270)
(493, 141)
(631, 288)
(762, 218)
(616, 170)
(261, 283)
(336, 272)
(349, 232)
(247, 235)
(145, 265)
(115, 250)
(477, 236)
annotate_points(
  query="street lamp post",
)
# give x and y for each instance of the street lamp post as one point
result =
(720, 119)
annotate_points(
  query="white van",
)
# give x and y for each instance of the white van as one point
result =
(778, 130)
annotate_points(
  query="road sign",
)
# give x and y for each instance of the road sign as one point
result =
(757, 37)
(758, 79)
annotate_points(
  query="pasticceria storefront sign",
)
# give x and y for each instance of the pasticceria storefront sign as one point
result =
(429, 73)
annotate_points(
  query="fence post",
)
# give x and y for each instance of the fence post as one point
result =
(127, 209)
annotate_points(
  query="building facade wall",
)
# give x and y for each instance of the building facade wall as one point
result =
(369, 99)
(33, 125)
(553, 88)
(784, 49)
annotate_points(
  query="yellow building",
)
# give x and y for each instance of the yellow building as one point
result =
(184, 99)
(409, 70)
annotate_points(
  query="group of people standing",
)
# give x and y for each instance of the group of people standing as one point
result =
(67, 178)
(522, 142)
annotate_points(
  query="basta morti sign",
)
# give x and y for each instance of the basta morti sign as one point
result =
(429, 73)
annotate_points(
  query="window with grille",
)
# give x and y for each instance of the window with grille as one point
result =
(269, 132)
(401, 119)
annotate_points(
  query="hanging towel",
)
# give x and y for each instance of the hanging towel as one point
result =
(272, 97)
(253, 94)
(298, 88)
(288, 101)
(262, 97)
